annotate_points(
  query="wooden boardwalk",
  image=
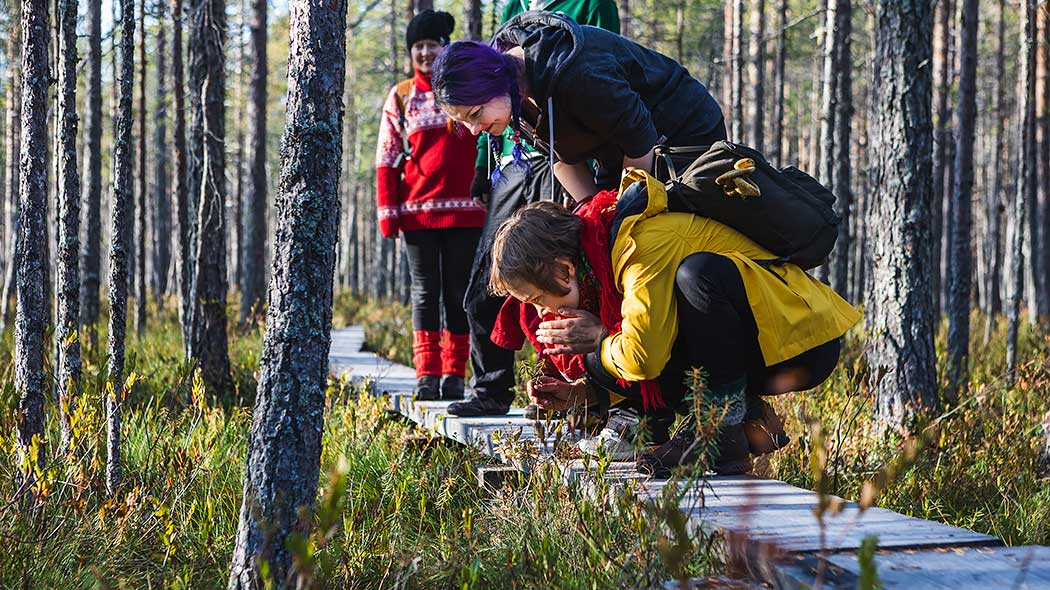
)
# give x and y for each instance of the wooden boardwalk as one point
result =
(787, 544)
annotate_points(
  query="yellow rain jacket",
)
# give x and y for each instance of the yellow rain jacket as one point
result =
(794, 313)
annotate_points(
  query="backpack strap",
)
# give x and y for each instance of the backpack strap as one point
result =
(401, 93)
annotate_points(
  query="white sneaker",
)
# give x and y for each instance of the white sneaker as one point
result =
(617, 439)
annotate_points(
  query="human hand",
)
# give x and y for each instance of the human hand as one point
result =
(554, 394)
(481, 186)
(576, 332)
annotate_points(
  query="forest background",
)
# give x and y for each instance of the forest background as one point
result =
(926, 415)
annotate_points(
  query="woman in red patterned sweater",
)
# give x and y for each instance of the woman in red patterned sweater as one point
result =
(424, 166)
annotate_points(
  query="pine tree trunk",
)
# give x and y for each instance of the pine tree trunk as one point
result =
(254, 255)
(737, 81)
(757, 75)
(67, 329)
(959, 291)
(1026, 189)
(841, 145)
(941, 135)
(288, 420)
(208, 285)
(31, 317)
(161, 194)
(142, 230)
(777, 150)
(1043, 173)
(91, 242)
(13, 159)
(994, 200)
(474, 20)
(902, 360)
(236, 234)
(180, 184)
(119, 243)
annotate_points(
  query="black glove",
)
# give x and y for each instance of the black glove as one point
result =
(481, 186)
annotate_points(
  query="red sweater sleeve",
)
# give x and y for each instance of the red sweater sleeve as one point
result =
(390, 164)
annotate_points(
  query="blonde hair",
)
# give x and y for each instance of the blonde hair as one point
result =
(527, 244)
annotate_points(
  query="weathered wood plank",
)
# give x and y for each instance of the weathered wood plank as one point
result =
(770, 511)
(979, 568)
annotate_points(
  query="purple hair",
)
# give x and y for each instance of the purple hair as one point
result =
(468, 73)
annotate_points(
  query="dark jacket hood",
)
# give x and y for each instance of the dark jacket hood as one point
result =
(551, 42)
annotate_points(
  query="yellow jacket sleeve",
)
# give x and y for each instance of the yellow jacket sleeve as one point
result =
(641, 349)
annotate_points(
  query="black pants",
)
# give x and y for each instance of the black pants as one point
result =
(717, 332)
(493, 366)
(439, 262)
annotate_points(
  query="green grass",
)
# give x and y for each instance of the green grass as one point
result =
(398, 509)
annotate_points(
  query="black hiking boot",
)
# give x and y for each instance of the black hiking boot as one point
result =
(427, 388)
(478, 406)
(452, 387)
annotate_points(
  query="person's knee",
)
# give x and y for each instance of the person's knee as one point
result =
(697, 278)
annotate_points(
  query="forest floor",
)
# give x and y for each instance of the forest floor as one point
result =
(399, 509)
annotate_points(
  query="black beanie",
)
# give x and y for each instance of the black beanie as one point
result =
(430, 25)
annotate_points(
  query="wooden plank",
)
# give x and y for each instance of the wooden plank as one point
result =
(773, 512)
(983, 568)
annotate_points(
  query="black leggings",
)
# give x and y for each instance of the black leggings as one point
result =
(717, 332)
(439, 262)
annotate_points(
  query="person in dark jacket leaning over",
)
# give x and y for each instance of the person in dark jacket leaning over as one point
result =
(590, 93)
(522, 178)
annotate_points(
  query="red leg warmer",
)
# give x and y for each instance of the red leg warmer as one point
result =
(426, 352)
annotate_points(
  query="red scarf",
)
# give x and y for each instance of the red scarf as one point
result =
(597, 214)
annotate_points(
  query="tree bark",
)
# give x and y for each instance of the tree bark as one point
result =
(777, 150)
(959, 290)
(841, 143)
(757, 75)
(13, 159)
(91, 240)
(208, 285)
(31, 316)
(737, 81)
(1043, 173)
(161, 194)
(1026, 189)
(180, 188)
(288, 420)
(67, 329)
(474, 20)
(902, 360)
(941, 91)
(994, 200)
(119, 246)
(141, 228)
(254, 239)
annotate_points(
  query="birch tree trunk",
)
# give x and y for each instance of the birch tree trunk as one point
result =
(284, 452)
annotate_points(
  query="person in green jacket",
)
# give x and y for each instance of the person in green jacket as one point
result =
(515, 186)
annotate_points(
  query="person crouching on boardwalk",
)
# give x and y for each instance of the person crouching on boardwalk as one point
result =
(677, 292)
(424, 166)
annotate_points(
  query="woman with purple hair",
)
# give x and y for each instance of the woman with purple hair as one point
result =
(585, 92)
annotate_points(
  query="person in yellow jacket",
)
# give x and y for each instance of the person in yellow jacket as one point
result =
(676, 292)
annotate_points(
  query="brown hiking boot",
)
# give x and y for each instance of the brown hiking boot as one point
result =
(764, 428)
(728, 456)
